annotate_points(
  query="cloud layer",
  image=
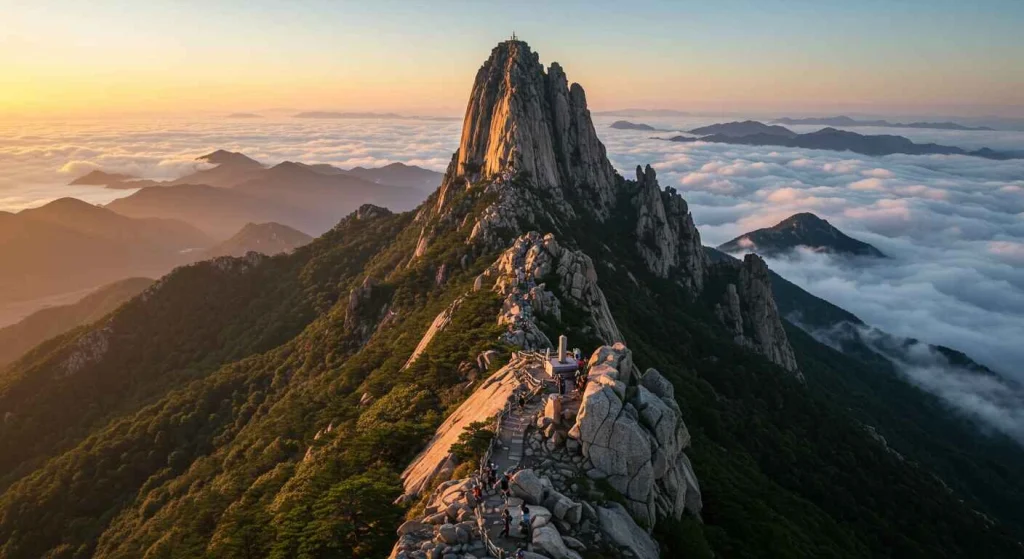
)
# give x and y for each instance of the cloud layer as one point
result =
(39, 159)
(953, 225)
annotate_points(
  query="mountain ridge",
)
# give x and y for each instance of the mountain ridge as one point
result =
(67, 244)
(843, 120)
(758, 134)
(267, 405)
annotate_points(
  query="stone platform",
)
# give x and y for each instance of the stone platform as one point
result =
(555, 367)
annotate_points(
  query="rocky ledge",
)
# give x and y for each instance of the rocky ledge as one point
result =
(598, 471)
(521, 274)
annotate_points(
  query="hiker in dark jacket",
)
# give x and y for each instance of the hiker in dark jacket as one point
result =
(504, 486)
(506, 520)
(526, 523)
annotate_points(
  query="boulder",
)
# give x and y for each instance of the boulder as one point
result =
(447, 533)
(528, 486)
(620, 527)
(563, 507)
(617, 357)
(436, 518)
(540, 516)
(413, 527)
(573, 543)
(660, 419)
(547, 540)
(553, 409)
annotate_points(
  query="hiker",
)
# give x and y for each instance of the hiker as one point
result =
(504, 485)
(561, 385)
(478, 494)
(506, 520)
(520, 553)
(492, 474)
(522, 400)
(524, 524)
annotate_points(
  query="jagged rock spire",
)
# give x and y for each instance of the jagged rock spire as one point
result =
(666, 237)
(521, 119)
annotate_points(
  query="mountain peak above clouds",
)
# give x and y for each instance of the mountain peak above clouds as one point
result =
(224, 157)
(800, 230)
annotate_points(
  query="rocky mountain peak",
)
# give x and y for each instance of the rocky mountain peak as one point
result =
(524, 120)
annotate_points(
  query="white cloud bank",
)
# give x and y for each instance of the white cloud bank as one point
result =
(953, 225)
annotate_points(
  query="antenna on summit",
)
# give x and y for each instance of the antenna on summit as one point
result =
(514, 36)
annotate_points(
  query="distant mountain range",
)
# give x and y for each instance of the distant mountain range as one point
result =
(800, 230)
(755, 133)
(68, 245)
(243, 115)
(101, 178)
(626, 125)
(18, 338)
(847, 121)
(744, 128)
(240, 190)
(266, 238)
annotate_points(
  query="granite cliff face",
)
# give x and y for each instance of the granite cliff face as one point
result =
(666, 237)
(529, 150)
(630, 427)
(524, 119)
(748, 311)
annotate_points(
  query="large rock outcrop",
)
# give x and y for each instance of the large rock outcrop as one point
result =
(666, 238)
(524, 119)
(520, 275)
(632, 431)
(748, 310)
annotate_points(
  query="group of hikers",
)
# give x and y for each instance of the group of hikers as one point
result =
(502, 485)
(579, 376)
(501, 482)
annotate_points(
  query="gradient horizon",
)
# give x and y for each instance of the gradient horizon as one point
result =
(62, 58)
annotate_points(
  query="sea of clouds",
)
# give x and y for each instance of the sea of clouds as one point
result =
(952, 225)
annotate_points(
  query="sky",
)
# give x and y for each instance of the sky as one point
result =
(62, 58)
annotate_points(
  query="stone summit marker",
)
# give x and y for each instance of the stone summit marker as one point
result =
(561, 363)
